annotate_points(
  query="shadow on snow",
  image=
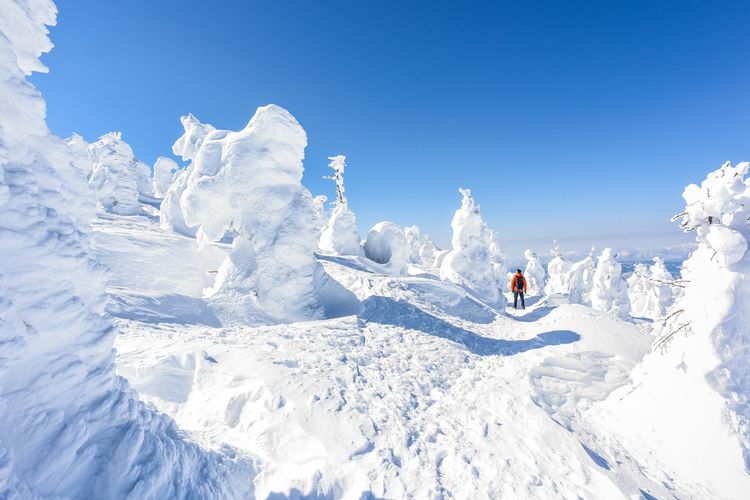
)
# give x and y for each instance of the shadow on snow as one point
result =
(387, 311)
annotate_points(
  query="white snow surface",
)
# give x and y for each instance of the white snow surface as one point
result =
(164, 173)
(69, 427)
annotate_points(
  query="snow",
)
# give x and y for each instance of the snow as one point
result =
(266, 370)
(164, 173)
(340, 236)
(534, 273)
(474, 262)
(69, 427)
(116, 176)
(610, 291)
(386, 244)
(557, 271)
(581, 280)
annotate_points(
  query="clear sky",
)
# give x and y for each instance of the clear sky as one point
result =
(576, 120)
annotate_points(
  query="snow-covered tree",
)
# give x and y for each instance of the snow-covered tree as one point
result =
(429, 253)
(581, 280)
(79, 148)
(534, 273)
(70, 427)
(557, 272)
(248, 183)
(473, 261)
(164, 172)
(340, 235)
(187, 146)
(610, 291)
(650, 290)
(321, 217)
(415, 241)
(639, 288)
(115, 177)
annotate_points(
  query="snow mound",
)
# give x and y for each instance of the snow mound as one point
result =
(474, 262)
(164, 173)
(69, 427)
(117, 175)
(557, 271)
(534, 273)
(386, 244)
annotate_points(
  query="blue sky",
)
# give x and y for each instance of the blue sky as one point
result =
(576, 120)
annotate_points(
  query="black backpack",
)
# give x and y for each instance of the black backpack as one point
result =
(519, 283)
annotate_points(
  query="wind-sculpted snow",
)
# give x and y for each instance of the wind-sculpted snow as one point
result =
(386, 244)
(558, 270)
(247, 185)
(534, 273)
(474, 262)
(164, 172)
(69, 427)
(117, 177)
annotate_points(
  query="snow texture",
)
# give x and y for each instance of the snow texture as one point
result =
(649, 291)
(69, 427)
(79, 149)
(610, 290)
(386, 244)
(534, 273)
(557, 271)
(475, 262)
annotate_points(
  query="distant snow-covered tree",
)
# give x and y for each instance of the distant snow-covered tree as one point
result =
(581, 280)
(429, 253)
(475, 261)
(610, 291)
(557, 272)
(534, 273)
(340, 234)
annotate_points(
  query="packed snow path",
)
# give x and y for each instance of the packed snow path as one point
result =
(426, 394)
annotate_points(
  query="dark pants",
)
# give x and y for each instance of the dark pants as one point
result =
(515, 300)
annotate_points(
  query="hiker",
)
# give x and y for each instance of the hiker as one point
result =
(518, 285)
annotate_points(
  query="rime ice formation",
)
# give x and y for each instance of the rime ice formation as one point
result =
(534, 273)
(116, 176)
(474, 261)
(340, 235)
(69, 427)
(164, 173)
(387, 245)
(610, 291)
(581, 280)
(248, 183)
(557, 272)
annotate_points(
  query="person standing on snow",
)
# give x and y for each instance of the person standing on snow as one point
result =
(518, 285)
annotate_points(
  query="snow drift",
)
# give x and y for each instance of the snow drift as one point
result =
(69, 427)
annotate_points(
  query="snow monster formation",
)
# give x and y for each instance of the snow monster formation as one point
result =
(164, 171)
(649, 290)
(581, 280)
(69, 426)
(387, 245)
(474, 262)
(698, 377)
(340, 235)
(247, 185)
(557, 272)
(534, 273)
(610, 291)
(118, 178)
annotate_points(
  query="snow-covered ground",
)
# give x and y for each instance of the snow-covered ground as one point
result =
(426, 393)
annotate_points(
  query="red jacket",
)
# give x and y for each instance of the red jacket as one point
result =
(513, 283)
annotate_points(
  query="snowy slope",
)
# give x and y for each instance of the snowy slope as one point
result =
(427, 393)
